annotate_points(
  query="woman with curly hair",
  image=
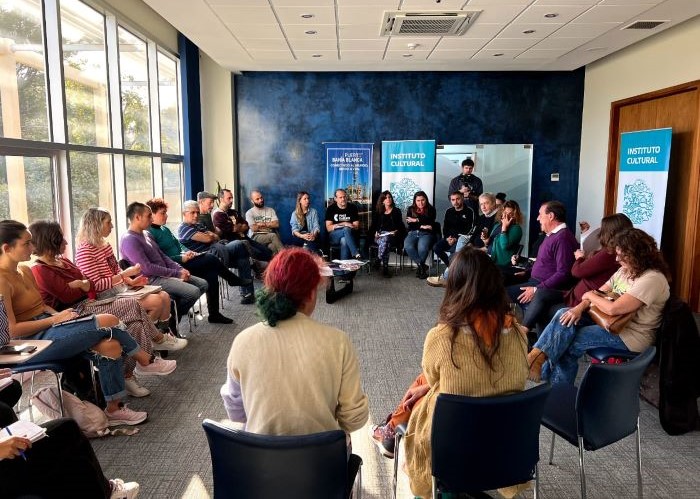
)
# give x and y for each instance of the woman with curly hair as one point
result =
(642, 287)
(476, 349)
(291, 375)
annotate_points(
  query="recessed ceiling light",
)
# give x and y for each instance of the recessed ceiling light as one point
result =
(551, 15)
(307, 16)
(408, 55)
(498, 54)
(317, 55)
(311, 32)
(528, 31)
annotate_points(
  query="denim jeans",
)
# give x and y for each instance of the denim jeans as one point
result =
(185, 293)
(417, 245)
(345, 237)
(72, 340)
(564, 345)
(239, 257)
(442, 248)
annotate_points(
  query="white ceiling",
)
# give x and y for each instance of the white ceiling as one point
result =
(344, 35)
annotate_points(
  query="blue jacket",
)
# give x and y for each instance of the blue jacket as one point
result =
(311, 222)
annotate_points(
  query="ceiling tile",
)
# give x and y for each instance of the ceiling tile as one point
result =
(576, 30)
(364, 44)
(491, 54)
(406, 55)
(491, 13)
(510, 44)
(245, 15)
(361, 55)
(497, 2)
(483, 30)
(255, 31)
(451, 55)
(516, 29)
(566, 2)
(292, 15)
(630, 2)
(387, 4)
(561, 43)
(565, 13)
(272, 55)
(461, 43)
(323, 32)
(612, 13)
(309, 55)
(265, 44)
(421, 5)
(542, 54)
(300, 44)
(359, 31)
(422, 43)
(243, 3)
(366, 14)
(296, 3)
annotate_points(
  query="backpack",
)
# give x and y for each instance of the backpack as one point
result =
(90, 418)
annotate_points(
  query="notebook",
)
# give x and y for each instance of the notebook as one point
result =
(25, 429)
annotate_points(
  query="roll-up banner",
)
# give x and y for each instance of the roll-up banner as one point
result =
(643, 176)
(408, 166)
(349, 167)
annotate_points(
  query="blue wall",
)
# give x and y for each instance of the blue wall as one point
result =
(283, 119)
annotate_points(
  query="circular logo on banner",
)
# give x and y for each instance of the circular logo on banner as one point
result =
(638, 201)
(403, 192)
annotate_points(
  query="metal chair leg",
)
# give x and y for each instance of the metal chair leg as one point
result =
(551, 450)
(60, 391)
(581, 466)
(397, 442)
(640, 491)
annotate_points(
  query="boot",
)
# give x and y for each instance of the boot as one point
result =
(385, 270)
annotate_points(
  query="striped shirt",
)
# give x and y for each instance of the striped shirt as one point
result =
(97, 264)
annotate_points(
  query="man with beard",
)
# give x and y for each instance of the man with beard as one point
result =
(230, 225)
(263, 223)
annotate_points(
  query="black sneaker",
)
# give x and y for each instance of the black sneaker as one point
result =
(219, 319)
(248, 299)
(234, 281)
(383, 438)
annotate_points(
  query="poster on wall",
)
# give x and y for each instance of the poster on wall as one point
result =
(408, 166)
(349, 167)
(641, 187)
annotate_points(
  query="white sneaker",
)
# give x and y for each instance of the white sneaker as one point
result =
(170, 343)
(159, 367)
(134, 389)
(436, 282)
(122, 490)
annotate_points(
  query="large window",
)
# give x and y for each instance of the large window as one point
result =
(22, 71)
(85, 74)
(89, 114)
(26, 188)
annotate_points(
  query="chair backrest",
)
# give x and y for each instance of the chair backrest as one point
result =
(483, 443)
(607, 403)
(250, 466)
(592, 241)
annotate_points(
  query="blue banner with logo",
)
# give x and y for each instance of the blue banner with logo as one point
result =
(643, 176)
(349, 167)
(408, 166)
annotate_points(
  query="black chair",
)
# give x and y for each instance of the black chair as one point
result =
(250, 466)
(484, 443)
(601, 411)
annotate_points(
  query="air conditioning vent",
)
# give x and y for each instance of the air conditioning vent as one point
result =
(644, 24)
(398, 23)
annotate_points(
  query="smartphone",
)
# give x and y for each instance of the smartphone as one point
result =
(16, 349)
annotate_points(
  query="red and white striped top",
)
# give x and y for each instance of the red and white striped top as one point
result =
(98, 264)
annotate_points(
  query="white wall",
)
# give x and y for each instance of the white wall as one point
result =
(218, 142)
(140, 16)
(664, 60)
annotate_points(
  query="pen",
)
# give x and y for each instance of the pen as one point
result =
(21, 452)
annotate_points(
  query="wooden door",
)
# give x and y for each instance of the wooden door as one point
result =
(679, 108)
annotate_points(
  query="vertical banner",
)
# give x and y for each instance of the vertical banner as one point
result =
(408, 166)
(641, 186)
(349, 167)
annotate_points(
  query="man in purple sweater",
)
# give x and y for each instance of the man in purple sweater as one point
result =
(138, 246)
(551, 273)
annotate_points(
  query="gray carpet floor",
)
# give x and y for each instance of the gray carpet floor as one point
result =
(387, 320)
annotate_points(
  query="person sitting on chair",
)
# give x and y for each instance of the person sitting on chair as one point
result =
(388, 228)
(477, 349)
(304, 222)
(263, 222)
(420, 218)
(643, 289)
(342, 224)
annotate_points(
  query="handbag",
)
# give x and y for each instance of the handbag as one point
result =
(614, 324)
